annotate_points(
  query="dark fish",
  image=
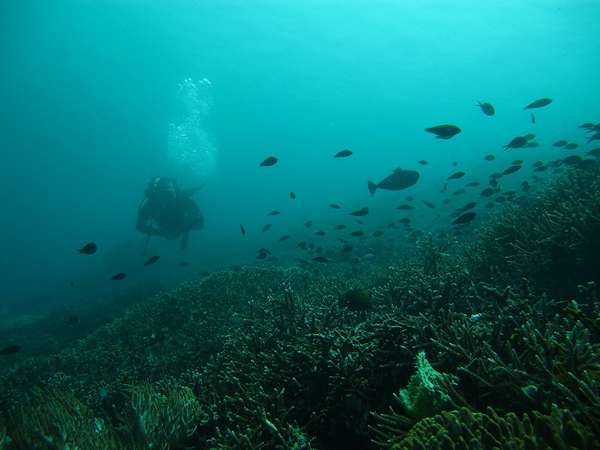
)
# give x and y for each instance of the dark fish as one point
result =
(263, 253)
(409, 198)
(119, 276)
(274, 213)
(377, 233)
(517, 142)
(404, 221)
(456, 175)
(454, 163)
(459, 192)
(560, 143)
(355, 300)
(360, 212)
(500, 199)
(540, 169)
(469, 206)
(292, 195)
(422, 162)
(319, 233)
(320, 259)
(88, 249)
(464, 218)
(489, 157)
(532, 118)
(242, 229)
(594, 152)
(572, 160)
(285, 237)
(446, 201)
(399, 179)
(532, 144)
(340, 227)
(487, 108)
(342, 154)
(347, 248)
(308, 223)
(538, 164)
(151, 260)
(487, 192)
(473, 184)
(10, 350)
(266, 227)
(444, 131)
(429, 204)
(571, 146)
(72, 283)
(334, 206)
(357, 233)
(184, 264)
(405, 207)
(512, 169)
(529, 136)
(539, 103)
(270, 161)
(587, 125)
(302, 245)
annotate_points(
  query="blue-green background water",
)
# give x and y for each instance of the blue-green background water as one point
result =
(88, 90)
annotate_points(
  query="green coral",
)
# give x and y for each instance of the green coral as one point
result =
(466, 429)
(427, 392)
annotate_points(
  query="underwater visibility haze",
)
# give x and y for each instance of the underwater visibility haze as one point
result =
(318, 224)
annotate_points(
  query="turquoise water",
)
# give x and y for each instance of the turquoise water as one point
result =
(93, 95)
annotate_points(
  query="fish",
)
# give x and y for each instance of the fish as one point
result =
(540, 169)
(473, 184)
(595, 152)
(377, 233)
(487, 192)
(512, 169)
(263, 253)
(308, 223)
(274, 213)
(293, 195)
(586, 125)
(242, 229)
(343, 154)
(285, 237)
(529, 136)
(320, 259)
(464, 218)
(184, 264)
(151, 260)
(10, 350)
(538, 163)
(399, 179)
(486, 108)
(340, 227)
(360, 212)
(320, 233)
(347, 248)
(409, 198)
(266, 227)
(355, 300)
(334, 206)
(405, 207)
(468, 206)
(119, 276)
(456, 175)
(446, 201)
(571, 146)
(88, 249)
(532, 118)
(404, 221)
(429, 204)
(489, 157)
(422, 162)
(560, 143)
(539, 103)
(270, 161)
(572, 160)
(357, 233)
(72, 283)
(459, 192)
(517, 142)
(444, 131)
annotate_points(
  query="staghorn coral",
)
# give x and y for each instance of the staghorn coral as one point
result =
(466, 429)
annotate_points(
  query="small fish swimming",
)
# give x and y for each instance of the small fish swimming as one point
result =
(184, 264)
(151, 260)
(340, 227)
(429, 204)
(242, 229)
(88, 249)
(266, 227)
(334, 206)
(119, 276)
(357, 233)
(293, 195)
(10, 350)
(473, 184)
(560, 143)
(468, 206)
(308, 223)
(399, 179)
(487, 192)
(274, 213)
(444, 131)
(343, 154)
(456, 175)
(423, 162)
(320, 259)
(532, 118)
(360, 212)
(571, 146)
(464, 218)
(320, 233)
(405, 207)
(270, 161)
(517, 142)
(486, 108)
(285, 237)
(539, 103)
(512, 169)
(489, 157)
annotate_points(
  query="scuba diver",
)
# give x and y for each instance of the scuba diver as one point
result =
(168, 211)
